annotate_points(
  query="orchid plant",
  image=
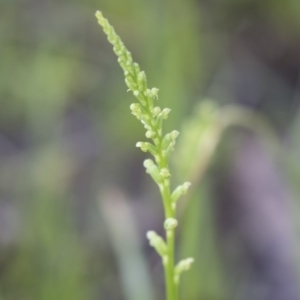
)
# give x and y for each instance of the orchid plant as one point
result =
(160, 146)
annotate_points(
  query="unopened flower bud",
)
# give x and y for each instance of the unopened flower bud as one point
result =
(154, 93)
(142, 145)
(179, 191)
(136, 110)
(111, 39)
(170, 224)
(157, 243)
(148, 163)
(136, 68)
(135, 107)
(165, 113)
(128, 56)
(155, 111)
(142, 80)
(165, 173)
(130, 83)
(150, 134)
(166, 141)
(184, 265)
(174, 134)
(152, 169)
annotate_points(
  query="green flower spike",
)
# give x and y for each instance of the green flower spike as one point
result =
(152, 118)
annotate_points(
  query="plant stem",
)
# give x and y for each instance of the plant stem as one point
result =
(170, 244)
(168, 264)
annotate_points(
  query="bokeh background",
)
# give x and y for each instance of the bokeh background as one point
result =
(75, 202)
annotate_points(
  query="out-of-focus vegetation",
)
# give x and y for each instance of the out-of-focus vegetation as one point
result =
(74, 201)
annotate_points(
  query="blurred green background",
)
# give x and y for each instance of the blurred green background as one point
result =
(74, 200)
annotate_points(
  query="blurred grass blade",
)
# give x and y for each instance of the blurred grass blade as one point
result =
(121, 227)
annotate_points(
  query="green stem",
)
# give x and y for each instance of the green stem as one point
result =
(169, 268)
(170, 245)
(176, 291)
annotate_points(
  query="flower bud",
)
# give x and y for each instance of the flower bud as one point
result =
(116, 49)
(139, 95)
(111, 39)
(165, 113)
(152, 169)
(157, 243)
(184, 265)
(170, 224)
(165, 173)
(166, 141)
(130, 83)
(154, 93)
(142, 81)
(155, 111)
(121, 59)
(128, 55)
(147, 147)
(142, 145)
(99, 16)
(136, 109)
(136, 68)
(150, 134)
(179, 191)
(174, 134)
